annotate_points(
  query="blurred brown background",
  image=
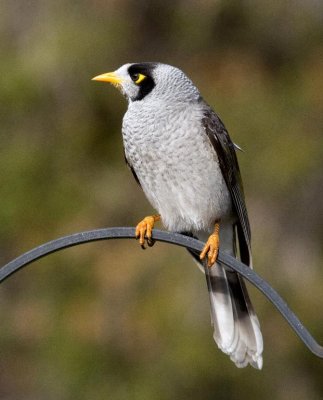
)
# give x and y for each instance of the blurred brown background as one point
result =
(107, 320)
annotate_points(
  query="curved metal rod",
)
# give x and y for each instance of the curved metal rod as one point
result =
(176, 239)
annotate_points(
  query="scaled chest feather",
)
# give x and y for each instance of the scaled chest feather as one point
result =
(177, 167)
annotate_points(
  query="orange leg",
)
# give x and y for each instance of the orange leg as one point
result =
(211, 247)
(144, 228)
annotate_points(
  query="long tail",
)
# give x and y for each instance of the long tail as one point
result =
(236, 326)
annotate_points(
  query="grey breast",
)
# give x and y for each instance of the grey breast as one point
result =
(176, 164)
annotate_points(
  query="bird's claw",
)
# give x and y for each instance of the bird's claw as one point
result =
(144, 232)
(211, 249)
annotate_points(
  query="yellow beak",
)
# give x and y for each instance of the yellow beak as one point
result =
(110, 77)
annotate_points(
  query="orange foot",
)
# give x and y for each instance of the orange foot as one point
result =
(144, 228)
(211, 247)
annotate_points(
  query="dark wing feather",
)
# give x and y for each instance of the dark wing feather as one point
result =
(225, 150)
(131, 169)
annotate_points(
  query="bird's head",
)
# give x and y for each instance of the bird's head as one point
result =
(150, 79)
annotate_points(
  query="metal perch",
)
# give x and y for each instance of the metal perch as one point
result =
(176, 239)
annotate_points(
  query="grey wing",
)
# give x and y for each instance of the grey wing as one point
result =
(225, 150)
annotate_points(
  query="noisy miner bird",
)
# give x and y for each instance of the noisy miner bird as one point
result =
(181, 155)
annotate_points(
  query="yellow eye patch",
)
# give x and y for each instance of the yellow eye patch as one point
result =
(137, 78)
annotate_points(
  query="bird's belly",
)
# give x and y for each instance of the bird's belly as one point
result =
(182, 179)
(188, 199)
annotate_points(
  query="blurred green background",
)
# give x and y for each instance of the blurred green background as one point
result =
(107, 320)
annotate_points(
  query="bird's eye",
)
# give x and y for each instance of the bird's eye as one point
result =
(137, 78)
